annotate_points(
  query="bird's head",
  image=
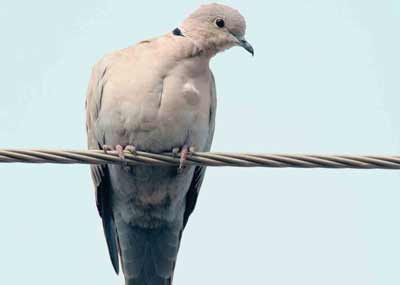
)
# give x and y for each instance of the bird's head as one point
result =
(215, 27)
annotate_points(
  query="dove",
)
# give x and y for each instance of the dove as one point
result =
(158, 95)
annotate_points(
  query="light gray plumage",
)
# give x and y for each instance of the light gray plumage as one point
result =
(156, 95)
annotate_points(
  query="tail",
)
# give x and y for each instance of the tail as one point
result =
(148, 255)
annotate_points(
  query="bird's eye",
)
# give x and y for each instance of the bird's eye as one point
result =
(220, 23)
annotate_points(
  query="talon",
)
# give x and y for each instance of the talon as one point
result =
(175, 151)
(106, 148)
(192, 149)
(131, 149)
(120, 151)
(184, 154)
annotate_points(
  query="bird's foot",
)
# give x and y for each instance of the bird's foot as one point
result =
(107, 148)
(131, 149)
(185, 152)
(120, 151)
(175, 152)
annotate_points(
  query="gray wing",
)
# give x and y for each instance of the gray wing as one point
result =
(199, 172)
(100, 173)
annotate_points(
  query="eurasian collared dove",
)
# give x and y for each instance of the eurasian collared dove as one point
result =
(157, 95)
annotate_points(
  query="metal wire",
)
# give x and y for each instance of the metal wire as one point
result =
(200, 158)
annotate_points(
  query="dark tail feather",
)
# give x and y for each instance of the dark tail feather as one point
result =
(148, 255)
(111, 238)
(103, 205)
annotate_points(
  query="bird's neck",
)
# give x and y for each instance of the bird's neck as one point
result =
(190, 46)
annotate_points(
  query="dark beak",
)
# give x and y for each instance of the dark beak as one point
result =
(245, 44)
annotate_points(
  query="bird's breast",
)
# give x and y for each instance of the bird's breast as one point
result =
(191, 94)
(159, 110)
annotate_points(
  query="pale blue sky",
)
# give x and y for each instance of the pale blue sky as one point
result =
(324, 80)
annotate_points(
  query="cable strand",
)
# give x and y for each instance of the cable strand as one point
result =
(200, 158)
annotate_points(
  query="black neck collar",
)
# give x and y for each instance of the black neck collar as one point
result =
(177, 32)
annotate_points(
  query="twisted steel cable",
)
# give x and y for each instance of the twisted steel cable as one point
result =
(200, 158)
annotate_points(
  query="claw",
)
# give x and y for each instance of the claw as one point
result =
(107, 148)
(175, 151)
(184, 154)
(131, 149)
(192, 149)
(120, 151)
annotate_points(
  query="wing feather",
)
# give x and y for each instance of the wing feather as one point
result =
(99, 173)
(199, 172)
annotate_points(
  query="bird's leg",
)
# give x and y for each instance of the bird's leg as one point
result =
(185, 152)
(132, 150)
(118, 148)
(120, 151)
